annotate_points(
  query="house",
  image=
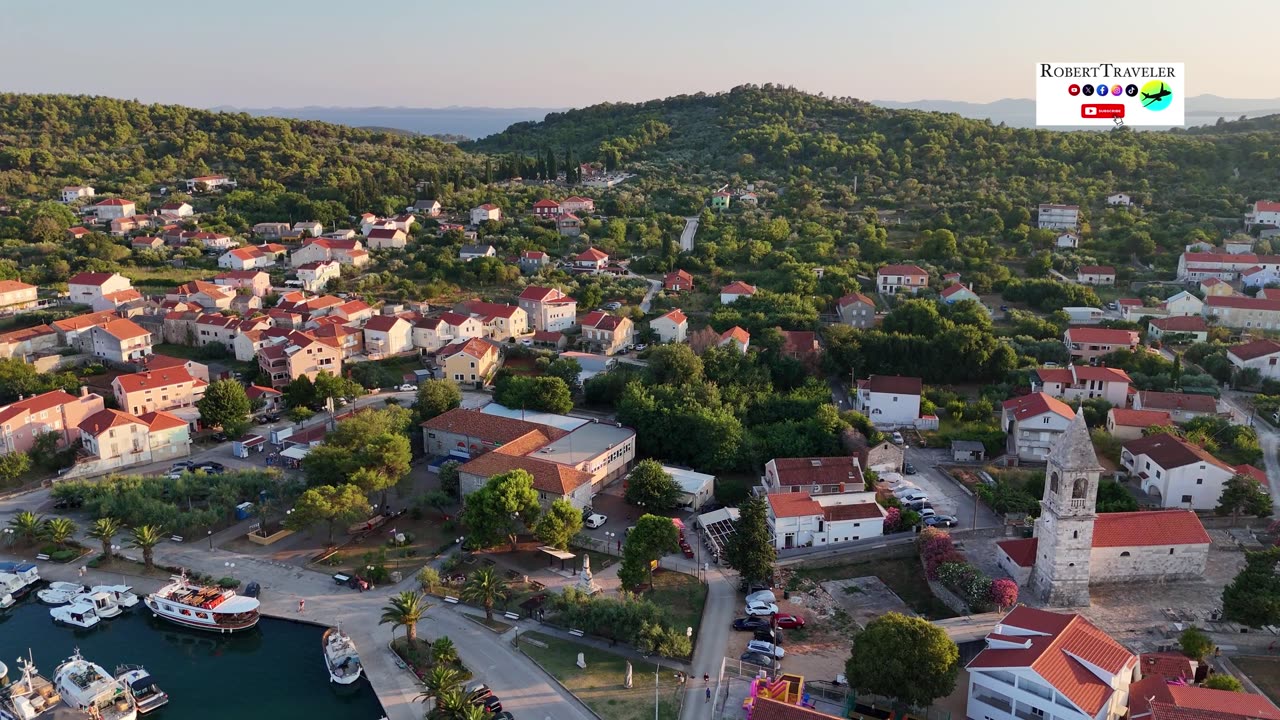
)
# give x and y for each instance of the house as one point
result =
(736, 337)
(1042, 664)
(315, 276)
(592, 259)
(1067, 240)
(548, 308)
(271, 230)
(606, 333)
(115, 208)
(1119, 199)
(1261, 355)
(349, 339)
(1264, 212)
(1033, 423)
(952, 294)
(749, 198)
(1238, 245)
(210, 240)
(1258, 277)
(272, 399)
(387, 335)
(471, 252)
(1175, 473)
(428, 207)
(156, 362)
(119, 439)
(1197, 266)
(211, 329)
(24, 421)
(161, 389)
(209, 182)
(92, 288)
(344, 252)
(672, 327)
(210, 296)
(466, 434)
(578, 204)
(471, 363)
(351, 311)
(176, 209)
(247, 258)
(1183, 304)
(734, 290)
(720, 200)
(1214, 286)
(1084, 382)
(74, 331)
(404, 222)
(889, 400)
(432, 334)
(77, 232)
(297, 354)
(856, 310)
(568, 225)
(389, 238)
(1058, 217)
(501, 322)
(72, 193)
(968, 451)
(1087, 344)
(533, 260)
(16, 296)
(1096, 275)
(146, 243)
(1126, 424)
(256, 282)
(813, 475)
(797, 519)
(26, 342)
(893, 279)
(484, 213)
(1238, 311)
(1191, 327)
(1180, 406)
(677, 281)
(800, 345)
(119, 341)
(546, 208)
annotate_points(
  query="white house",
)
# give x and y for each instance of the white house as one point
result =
(1175, 473)
(428, 207)
(72, 193)
(1181, 406)
(813, 475)
(956, 292)
(431, 334)
(1190, 325)
(889, 400)
(1034, 422)
(485, 213)
(1119, 199)
(1068, 240)
(114, 209)
(736, 337)
(383, 238)
(893, 279)
(120, 341)
(1265, 212)
(1058, 217)
(314, 276)
(1258, 276)
(471, 252)
(548, 309)
(593, 259)
(1183, 303)
(211, 182)
(176, 209)
(1084, 382)
(670, 328)
(800, 520)
(1096, 275)
(387, 335)
(92, 288)
(734, 290)
(1261, 355)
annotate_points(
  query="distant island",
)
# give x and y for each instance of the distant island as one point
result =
(449, 124)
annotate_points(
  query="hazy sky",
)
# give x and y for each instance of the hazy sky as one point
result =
(554, 53)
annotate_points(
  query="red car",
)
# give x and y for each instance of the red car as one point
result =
(790, 622)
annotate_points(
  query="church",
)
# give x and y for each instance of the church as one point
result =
(1074, 546)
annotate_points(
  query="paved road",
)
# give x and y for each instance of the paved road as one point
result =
(947, 496)
(686, 237)
(1268, 438)
(654, 287)
(713, 641)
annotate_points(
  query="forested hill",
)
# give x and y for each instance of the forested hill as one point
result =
(786, 136)
(126, 147)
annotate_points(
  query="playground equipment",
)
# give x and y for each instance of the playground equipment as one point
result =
(786, 688)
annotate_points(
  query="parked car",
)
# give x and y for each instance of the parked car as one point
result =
(941, 521)
(408, 387)
(750, 623)
(219, 437)
(756, 658)
(897, 438)
(914, 495)
(596, 520)
(767, 648)
(926, 512)
(271, 417)
(758, 609)
(908, 468)
(181, 465)
(767, 635)
(790, 622)
(477, 691)
(67, 503)
(905, 488)
(613, 305)
(492, 704)
(762, 596)
(641, 347)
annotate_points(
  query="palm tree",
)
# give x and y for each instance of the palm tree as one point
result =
(443, 650)
(59, 531)
(27, 525)
(485, 586)
(406, 609)
(104, 530)
(145, 538)
(440, 680)
(451, 705)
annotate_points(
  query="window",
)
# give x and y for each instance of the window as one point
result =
(1170, 551)
(1079, 489)
(1075, 534)
(1199, 481)
(1186, 498)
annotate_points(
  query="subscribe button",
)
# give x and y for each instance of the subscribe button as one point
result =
(1102, 110)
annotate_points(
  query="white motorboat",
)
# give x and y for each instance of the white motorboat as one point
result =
(29, 695)
(202, 607)
(146, 693)
(123, 594)
(6, 601)
(59, 593)
(340, 657)
(86, 687)
(104, 604)
(27, 573)
(78, 614)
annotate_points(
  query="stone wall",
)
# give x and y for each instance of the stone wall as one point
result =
(948, 598)
(1136, 564)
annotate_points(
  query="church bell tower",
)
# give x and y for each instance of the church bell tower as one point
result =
(1064, 530)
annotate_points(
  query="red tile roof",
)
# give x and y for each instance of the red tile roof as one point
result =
(1181, 323)
(737, 287)
(895, 384)
(548, 336)
(854, 511)
(736, 333)
(793, 504)
(1101, 373)
(492, 429)
(1022, 551)
(767, 709)
(1171, 452)
(675, 316)
(1165, 665)
(1036, 404)
(1150, 693)
(103, 420)
(592, 255)
(1149, 527)
(152, 379)
(910, 270)
(539, 294)
(383, 323)
(852, 298)
(1124, 417)
(1258, 474)
(1096, 270)
(1255, 349)
(125, 329)
(548, 477)
(90, 278)
(115, 202)
(158, 420)
(501, 310)
(1266, 206)
(547, 203)
(1153, 400)
(37, 403)
(817, 470)
(1102, 336)
(1240, 302)
(475, 347)
(950, 290)
(88, 320)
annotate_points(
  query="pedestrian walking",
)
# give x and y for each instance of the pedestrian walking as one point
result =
(708, 693)
(302, 605)
(706, 678)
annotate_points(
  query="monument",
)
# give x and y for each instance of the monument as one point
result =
(586, 583)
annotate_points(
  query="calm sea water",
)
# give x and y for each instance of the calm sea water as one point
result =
(275, 672)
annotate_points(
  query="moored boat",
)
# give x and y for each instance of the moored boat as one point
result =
(6, 601)
(86, 687)
(30, 694)
(203, 608)
(340, 657)
(59, 593)
(104, 604)
(28, 576)
(146, 693)
(79, 614)
(123, 594)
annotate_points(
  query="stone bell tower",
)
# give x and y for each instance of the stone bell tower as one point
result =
(1064, 530)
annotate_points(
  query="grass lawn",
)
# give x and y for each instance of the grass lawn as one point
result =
(904, 576)
(495, 625)
(428, 537)
(1263, 671)
(681, 595)
(600, 684)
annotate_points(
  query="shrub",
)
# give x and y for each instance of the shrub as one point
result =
(228, 583)
(65, 555)
(1003, 593)
(428, 577)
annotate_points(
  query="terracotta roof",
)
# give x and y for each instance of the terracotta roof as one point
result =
(125, 329)
(793, 504)
(1125, 417)
(548, 477)
(28, 333)
(8, 286)
(492, 429)
(1036, 404)
(674, 316)
(493, 309)
(488, 206)
(592, 255)
(539, 294)
(1165, 665)
(37, 403)
(383, 323)
(151, 379)
(953, 289)
(1149, 693)
(737, 287)
(895, 384)
(454, 319)
(1096, 270)
(678, 275)
(736, 333)
(913, 270)
(1211, 282)
(1266, 206)
(1258, 474)
(158, 420)
(239, 275)
(546, 203)
(386, 234)
(854, 511)
(88, 320)
(1101, 373)
(817, 470)
(799, 342)
(1171, 452)
(766, 709)
(102, 420)
(1151, 399)
(90, 278)
(1129, 302)
(1150, 527)
(548, 336)
(475, 347)
(254, 391)
(1102, 336)
(1182, 323)
(115, 202)
(1240, 302)
(533, 255)
(1022, 551)
(1255, 349)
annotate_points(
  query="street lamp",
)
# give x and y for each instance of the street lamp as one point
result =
(210, 533)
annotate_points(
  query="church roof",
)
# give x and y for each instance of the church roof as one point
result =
(1073, 451)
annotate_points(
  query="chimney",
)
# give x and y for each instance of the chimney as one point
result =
(84, 391)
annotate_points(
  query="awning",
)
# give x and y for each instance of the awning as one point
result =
(557, 553)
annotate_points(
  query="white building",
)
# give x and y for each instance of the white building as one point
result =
(1119, 199)
(1175, 473)
(1264, 212)
(696, 489)
(1084, 382)
(120, 341)
(734, 290)
(889, 400)
(314, 276)
(670, 328)
(956, 292)
(1189, 325)
(1067, 240)
(801, 520)
(114, 209)
(1033, 423)
(93, 288)
(1058, 217)
(548, 308)
(813, 475)
(485, 213)
(1183, 304)
(432, 334)
(1180, 406)
(72, 193)
(210, 182)
(1261, 355)
(894, 279)
(387, 335)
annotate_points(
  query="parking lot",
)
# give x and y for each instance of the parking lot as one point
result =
(946, 495)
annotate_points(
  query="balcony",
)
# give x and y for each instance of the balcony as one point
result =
(1004, 705)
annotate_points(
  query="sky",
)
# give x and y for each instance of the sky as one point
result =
(570, 53)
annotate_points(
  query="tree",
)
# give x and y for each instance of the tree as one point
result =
(443, 651)
(652, 537)
(1243, 495)
(440, 680)
(225, 405)
(497, 511)
(59, 531)
(652, 488)
(1223, 681)
(558, 526)
(14, 464)
(1195, 643)
(145, 538)
(331, 387)
(449, 478)
(301, 393)
(1004, 593)
(26, 526)
(404, 609)
(905, 658)
(1253, 597)
(104, 530)
(545, 393)
(485, 586)
(436, 397)
(674, 365)
(329, 504)
(372, 480)
(750, 548)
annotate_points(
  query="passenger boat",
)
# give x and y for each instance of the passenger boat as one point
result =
(29, 695)
(27, 573)
(59, 593)
(86, 687)
(123, 594)
(104, 604)
(79, 614)
(203, 608)
(146, 693)
(340, 657)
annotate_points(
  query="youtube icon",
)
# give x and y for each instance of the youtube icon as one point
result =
(1102, 111)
